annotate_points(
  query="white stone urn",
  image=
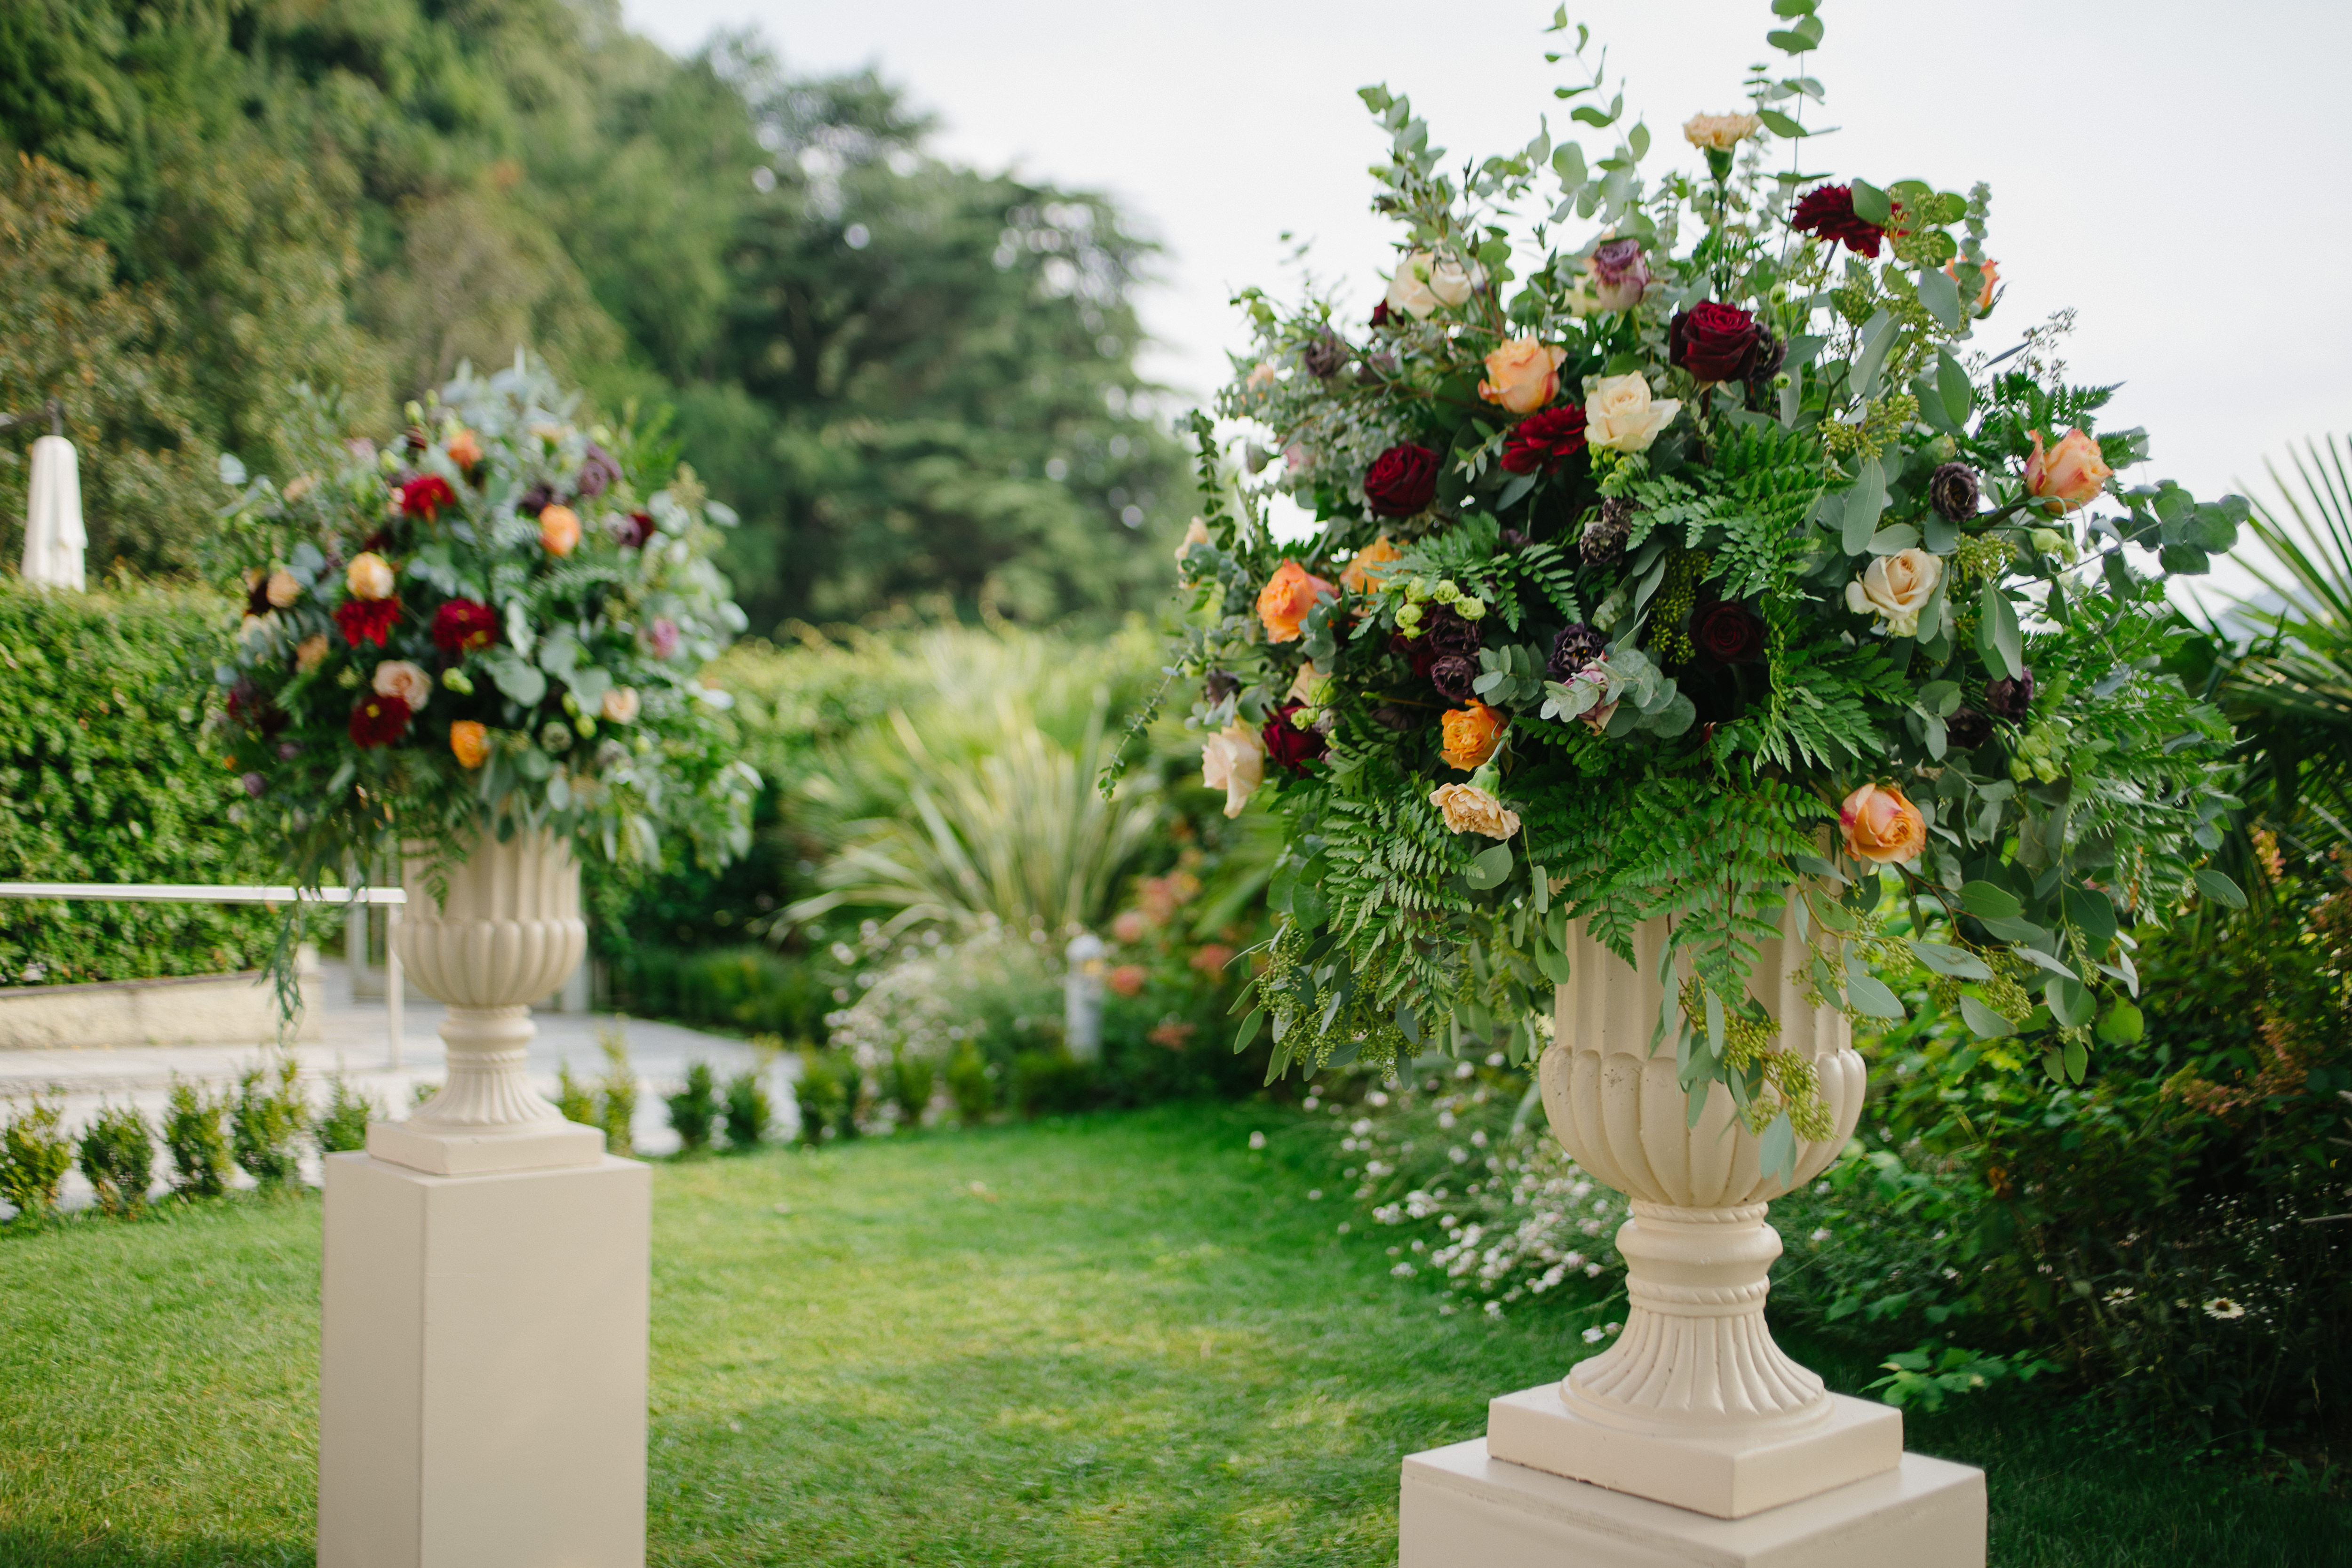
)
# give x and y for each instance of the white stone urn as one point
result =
(1694, 1404)
(508, 933)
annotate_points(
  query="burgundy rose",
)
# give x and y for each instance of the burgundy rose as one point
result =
(2011, 698)
(1324, 356)
(536, 499)
(1544, 440)
(1577, 645)
(1287, 746)
(1452, 675)
(461, 625)
(1715, 342)
(1828, 212)
(1728, 631)
(379, 721)
(598, 472)
(1967, 730)
(1402, 480)
(631, 530)
(368, 620)
(426, 495)
(1380, 314)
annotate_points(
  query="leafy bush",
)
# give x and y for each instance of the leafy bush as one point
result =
(34, 1155)
(827, 1095)
(342, 1127)
(575, 1101)
(1048, 1082)
(118, 1158)
(102, 697)
(911, 1080)
(972, 1084)
(194, 1131)
(266, 1124)
(744, 986)
(694, 1111)
(616, 1099)
(747, 1111)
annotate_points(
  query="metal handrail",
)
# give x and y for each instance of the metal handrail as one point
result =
(390, 899)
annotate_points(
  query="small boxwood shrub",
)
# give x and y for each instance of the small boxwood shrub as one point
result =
(118, 1158)
(196, 1132)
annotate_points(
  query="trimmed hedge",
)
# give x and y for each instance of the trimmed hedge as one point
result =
(104, 778)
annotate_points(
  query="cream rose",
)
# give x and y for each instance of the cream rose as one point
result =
(1720, 132)
(1522, 376)
(1895, 588)
(1309, 687)
(284, 588)
(310, 653)
(1469, 809)
(1196, 534)
(1620, 415)
(1423, 281)
(368, 577)
(621, 705)
(1234, 760)
(398, 678)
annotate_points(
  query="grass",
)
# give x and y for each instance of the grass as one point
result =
(1113, 1339)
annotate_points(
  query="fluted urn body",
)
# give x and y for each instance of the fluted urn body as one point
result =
(508, 933)
(1694, 1354)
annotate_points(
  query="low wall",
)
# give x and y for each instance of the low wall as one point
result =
(186, 1010)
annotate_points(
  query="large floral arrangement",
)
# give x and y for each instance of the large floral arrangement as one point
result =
(1692, 551)
(495, 623)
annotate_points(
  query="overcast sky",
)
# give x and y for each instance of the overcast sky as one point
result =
(2177, 172)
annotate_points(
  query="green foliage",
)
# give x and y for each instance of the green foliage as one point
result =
(827, 1095)
(195, 1133)
(575, 1101)
(616, 1096)
(34, 1155)
(1930, 1375)
(911, 1079)
(745, 986)
(268, 1122)
(747, 1113)
(118, 1158)
(971, 1085)
(103, 778)
(694, 1111)
(1044, 1082)
(342, 1128)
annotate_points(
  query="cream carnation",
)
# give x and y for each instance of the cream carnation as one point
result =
(1720, 132)
(1620, 415)
(368, 577)
(1897, 587)
(1469, 809)
(398, 678)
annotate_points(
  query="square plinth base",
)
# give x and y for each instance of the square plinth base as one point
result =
(1463, 1508)
(544, 1146)
(1730, 1476)
(482, 1369)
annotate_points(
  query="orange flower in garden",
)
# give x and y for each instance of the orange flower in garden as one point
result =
(1991, 277)
(2071, 474)
(464, 449)
(1286, 597)
(1880, 824)
(559, 530)
(1364, 572)
(1211, 957)
(1127, 979)
(1523, 375)
(469, 742)
(1472, 733)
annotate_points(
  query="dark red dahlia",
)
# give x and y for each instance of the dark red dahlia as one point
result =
(426, 495)
(1544, 440)
(1728, 631)
(1828, 211)
(1402, 480)
(1287, 746)
(632, 531)
(379, 721)
(461, 625)
(368, 620)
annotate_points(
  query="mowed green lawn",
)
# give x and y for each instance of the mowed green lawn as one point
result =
(1122, 1339)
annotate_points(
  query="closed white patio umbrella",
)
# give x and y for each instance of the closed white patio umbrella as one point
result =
(54, 537)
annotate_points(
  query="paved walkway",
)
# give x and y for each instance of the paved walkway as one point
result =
(354, 1041)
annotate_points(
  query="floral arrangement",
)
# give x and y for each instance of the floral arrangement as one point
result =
(496, 623)
(1686, 548)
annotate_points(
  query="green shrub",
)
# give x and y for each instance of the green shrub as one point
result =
(824, 1094)
(617, 1095)
(1050, 1081)
(34, 1155)
(747, 988)
(103, 778)
(118, 1158)
(195, 1133)
(694, 1111)
(342, 1126)
(911, 1079)
(266, 1124)
(747, 1110)
(972, 1084)
(575, 1101)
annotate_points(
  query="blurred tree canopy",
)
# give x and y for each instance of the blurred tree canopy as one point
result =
(913, 379)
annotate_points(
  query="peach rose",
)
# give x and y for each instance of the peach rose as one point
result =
(310, 652)
(284, 588)
(469, 742)
(398, 678)
(1881, 826)
(1198, 533)
(1522, 376)
(1620, 415)
(559, 530)
(1364, 572)
(620, 705)
(1261, 377)
(1469, 809)
(1472, 734)
(1992, 276)
(368, 577)
(1286, 597)
(1234, 760)
(464, 449)
(2071, 476)
(1896, 587)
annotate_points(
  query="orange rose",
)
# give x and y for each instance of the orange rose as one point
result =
(1286, 597)
(463, 449)
(1472, 734)
(1880, 824)
(1992, 269)
(1364, 572)
(559, 530)
(469, 741)
(2071, 476)
(1522, 376)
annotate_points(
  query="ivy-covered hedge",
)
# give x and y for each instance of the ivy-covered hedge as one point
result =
(104, 778)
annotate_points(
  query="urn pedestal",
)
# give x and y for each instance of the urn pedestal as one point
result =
(1694, 1438)
(486, 1278)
